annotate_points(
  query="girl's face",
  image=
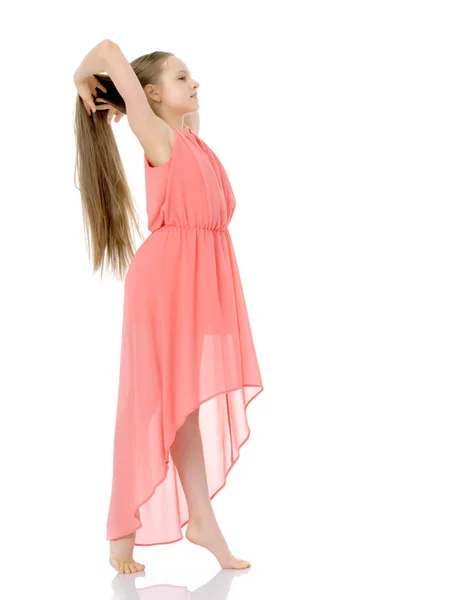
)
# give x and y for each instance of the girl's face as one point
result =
(178, 88)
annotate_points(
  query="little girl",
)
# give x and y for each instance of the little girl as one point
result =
(188, 367)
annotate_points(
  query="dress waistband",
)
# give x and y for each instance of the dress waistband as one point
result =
(194, 227)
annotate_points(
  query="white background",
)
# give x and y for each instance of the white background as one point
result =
(332, 120)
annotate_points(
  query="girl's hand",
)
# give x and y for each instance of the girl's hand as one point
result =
(86, 87)
(111, 110)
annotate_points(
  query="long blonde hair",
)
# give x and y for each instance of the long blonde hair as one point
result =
(108, 208)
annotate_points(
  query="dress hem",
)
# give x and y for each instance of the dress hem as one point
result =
(241, 387)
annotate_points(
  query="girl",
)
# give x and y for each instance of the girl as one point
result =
(188, 368)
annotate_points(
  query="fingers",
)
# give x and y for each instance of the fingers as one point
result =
(88, 101)
(112, 112)
(102, 104)
(87, 107)
(100, 85)
(118, 115)
(111, 115)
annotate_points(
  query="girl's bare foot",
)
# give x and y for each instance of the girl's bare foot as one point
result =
(121, 554)
(207, 533)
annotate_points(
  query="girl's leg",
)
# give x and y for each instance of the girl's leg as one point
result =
(202, 529)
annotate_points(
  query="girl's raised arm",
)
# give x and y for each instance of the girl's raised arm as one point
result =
(151, 131)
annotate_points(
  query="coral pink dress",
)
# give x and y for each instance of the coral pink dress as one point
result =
(186, 343)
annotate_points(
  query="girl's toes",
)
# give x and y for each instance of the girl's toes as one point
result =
(242, 564)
